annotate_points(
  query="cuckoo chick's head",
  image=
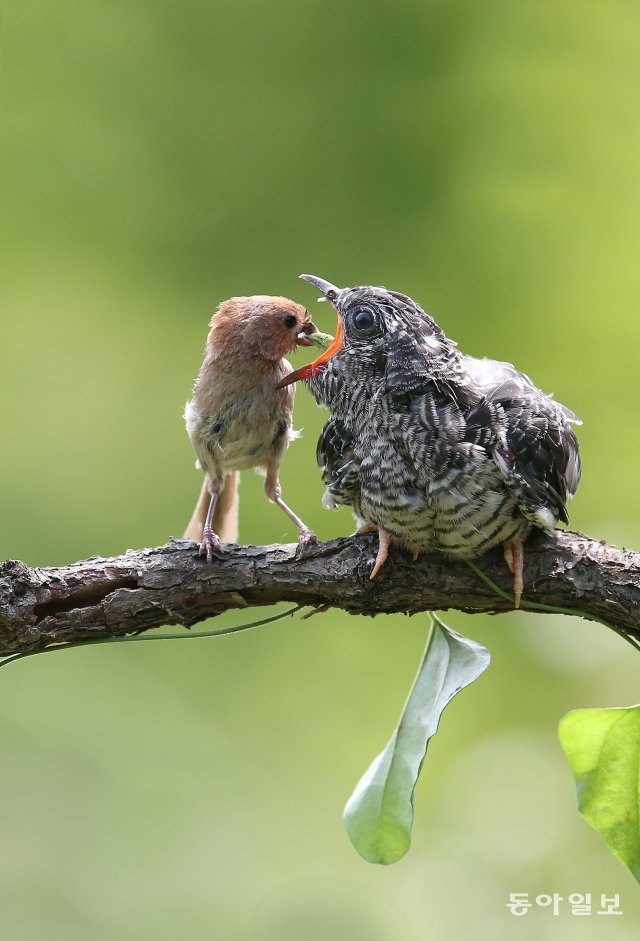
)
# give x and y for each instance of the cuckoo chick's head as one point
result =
(372, 321)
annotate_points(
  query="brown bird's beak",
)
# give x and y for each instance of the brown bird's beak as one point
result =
(330, 292)
(303, 336)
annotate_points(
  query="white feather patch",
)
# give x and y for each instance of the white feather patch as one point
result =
(329, 501)
(545, 518)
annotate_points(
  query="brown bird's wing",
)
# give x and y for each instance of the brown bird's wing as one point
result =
(338, 463)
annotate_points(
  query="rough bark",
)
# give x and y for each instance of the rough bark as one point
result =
(147, 588)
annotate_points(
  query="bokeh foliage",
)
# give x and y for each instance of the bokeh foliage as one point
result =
(157, 158)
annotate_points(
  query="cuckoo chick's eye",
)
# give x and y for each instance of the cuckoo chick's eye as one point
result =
(364, 323)
(289, 321)
(363, 320)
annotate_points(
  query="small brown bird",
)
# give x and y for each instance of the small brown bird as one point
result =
(237, 417)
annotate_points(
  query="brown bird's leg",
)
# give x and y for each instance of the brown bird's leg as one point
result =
(384, 542)
(210, 540)
(514, 557)
(272, 489)
(415, 552)
(225, 518)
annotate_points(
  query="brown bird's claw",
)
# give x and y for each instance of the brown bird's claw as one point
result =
(384, 542)
(211, 544)
(306, 539)
(514, 557)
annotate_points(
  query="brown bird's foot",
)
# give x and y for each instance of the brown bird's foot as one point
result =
(415, 553)
(210, 544)
(306, 539)
(514, 557)
(364, 528)
(384, 543)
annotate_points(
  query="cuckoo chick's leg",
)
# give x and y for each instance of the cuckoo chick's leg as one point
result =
(384, 542)
(514, 557)
(272, 489)
(364, 528)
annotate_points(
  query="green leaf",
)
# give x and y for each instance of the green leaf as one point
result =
(379, 813)
(603, 748)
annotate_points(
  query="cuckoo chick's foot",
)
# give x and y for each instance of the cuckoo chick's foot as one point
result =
(364, 528)
(514, 557)
(384, 543)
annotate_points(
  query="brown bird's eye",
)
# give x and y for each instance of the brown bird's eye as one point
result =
(331, 294)
(289, 321)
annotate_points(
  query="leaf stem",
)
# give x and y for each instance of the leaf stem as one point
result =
(526, 605)
(137, 638)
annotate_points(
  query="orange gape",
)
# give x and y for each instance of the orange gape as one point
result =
(311, 368)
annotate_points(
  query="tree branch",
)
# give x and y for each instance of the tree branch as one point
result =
(142, 589)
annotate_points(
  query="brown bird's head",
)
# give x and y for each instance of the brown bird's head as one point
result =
(260, 327)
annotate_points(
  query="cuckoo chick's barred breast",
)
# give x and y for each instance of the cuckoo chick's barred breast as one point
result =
(444, 451)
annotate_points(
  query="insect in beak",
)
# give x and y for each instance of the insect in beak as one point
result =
(305, 372)
(307, 333)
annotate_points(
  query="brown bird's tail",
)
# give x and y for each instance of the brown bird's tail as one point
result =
(225, 515)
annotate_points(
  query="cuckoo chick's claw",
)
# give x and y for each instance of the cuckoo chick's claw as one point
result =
(211, 544)
(514, 557)
(384, 542)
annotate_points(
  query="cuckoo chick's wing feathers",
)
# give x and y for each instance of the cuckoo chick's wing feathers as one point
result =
(538, 453)
(338, 463)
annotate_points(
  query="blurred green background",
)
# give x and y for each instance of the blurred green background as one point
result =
(157, 158)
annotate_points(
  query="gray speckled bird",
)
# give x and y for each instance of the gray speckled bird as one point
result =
(437, 450)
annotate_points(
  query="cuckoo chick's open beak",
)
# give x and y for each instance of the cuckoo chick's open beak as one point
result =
(305, 372)
(330, 292)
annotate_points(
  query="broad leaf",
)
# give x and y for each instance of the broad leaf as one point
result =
(603, 748)
(379, 813)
